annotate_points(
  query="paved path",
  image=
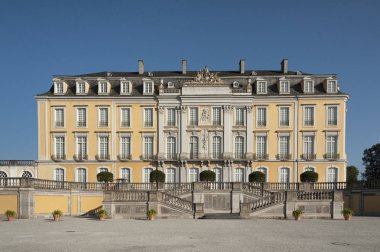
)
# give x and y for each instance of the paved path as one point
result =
(78, 234)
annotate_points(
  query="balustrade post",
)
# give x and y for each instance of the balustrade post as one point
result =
(198, 210)
(245, 210)
(337, 205)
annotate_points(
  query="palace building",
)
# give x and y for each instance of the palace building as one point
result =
(280, 122)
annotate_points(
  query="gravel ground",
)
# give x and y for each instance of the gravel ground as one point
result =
(80, 234)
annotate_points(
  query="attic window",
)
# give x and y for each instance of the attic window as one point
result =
(81, 87)
(235, 84)
(125, 87)
(58, 88)
(103, 87)
(284, 87)
(331, 86)
(148, 87)
(170, 84)
(261, 87)
(308, 87)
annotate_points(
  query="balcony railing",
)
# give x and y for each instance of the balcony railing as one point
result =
(80, 157)
(102, 157)
(58, 157)
(332, 122)
(332, 156)
(172, 91)
(239, 90)
(283, 156)
(261, 123)
(124, 157)
(239, 156)
(308, 156)
(260, 156)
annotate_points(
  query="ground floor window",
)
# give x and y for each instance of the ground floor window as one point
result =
(26, 174)
(218, 174)
(332, 174)
(81, 175)
(193, 175)
(239, 175)
(126, 175)
(146, 175)
(170, 175)
(59, 174)
(265, 171)
(284, 175)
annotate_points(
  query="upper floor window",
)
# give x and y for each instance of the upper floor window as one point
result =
(126, 175)
(217, 116)
(59, 117)
(261, 87)
(332, 116)
(261, 117)
(125, 148)
(308, 86)
(81, 148)
(261, 147)
(103, 87)
(283, 150)
(284, 175)
(81, 117)
(171, 114)
(148, 148)
(284, 87)
(148, 87)
(331, 146)
(216, 147)
(331, 86)
(284, 116)
(125, 117)
(59, 174)
(193, 120)
(103, 117)
(148, 117)
(239, 147)
(308, 148)
(125, 88)
(81, 175)
(171, 148)
(239, 117)
(308, 116)
(58, 87)
(103, 149)
(193, 147)
(81, 87)
(59, 151)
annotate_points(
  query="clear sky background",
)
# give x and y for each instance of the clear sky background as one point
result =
(41, 38)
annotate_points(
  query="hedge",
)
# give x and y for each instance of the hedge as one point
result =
(257, 176)
(105, 176)
(207, 176)
(157, 176)
(309, 176)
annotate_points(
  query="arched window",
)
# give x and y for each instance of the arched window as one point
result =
(284, 175)
(309, 168)
(126, 175)
(103, 169)
(170, 175)
(332, 174)
(146, 175)
(239, 147)
(193, 175)
(59, 174)
(3, 174)
(193, 147)
(239, 175)
(218, 174)
(81, 175)
(171, 148)
(3, 181)
(217, 147)
(265, 171)
(26, 174)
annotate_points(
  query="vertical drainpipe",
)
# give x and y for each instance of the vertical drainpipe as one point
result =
(296, 140)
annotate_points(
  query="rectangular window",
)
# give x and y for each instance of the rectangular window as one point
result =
(193, 116)
(216, 147)
(148, 117)
(125, 148)
(125, 117)
(308, 147)
(170, 175)
(81, 148)
(193, 147)
(331, 87)
(124, 87)
(103, 89)
(59, 119)
(171, 120)
(239, 175)
(284, 116)
(146, 177)
(283, 147)
(261, 147)
(81, 88)
(60, 147)
(81, 117)
(261, 87)
(217, 116)
(103, 117)
(309, 116)
(308, 87)
(332, 146)
(148, 148)
(126, 175)
(193, 175)
(148, 87)
(332, 116)
(59, 88)
(239, 117)
(261, 117)
(239, 147)
(60, 174)
(171, 148)
(284, 87)
(103, 147)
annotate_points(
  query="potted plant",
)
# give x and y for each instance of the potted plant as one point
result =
(256, 177)
(309, 177)
(10, 215)
(297, 214)
(208, 176)
(157, 177)
(57, 214)
(151, 214)
(102, 214)
(347, 213)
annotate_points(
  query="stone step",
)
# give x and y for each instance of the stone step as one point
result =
(224, 216)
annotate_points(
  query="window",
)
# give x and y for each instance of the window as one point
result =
(81, 88)
(239, 147)
(59, 88)
(59, 174)
(170, 84)
(284, 116)
(309, 169)
(265, 171)
(170, 175)
(332, 147)
(126, 175)
(284, 175)
(217, 116)
(171, 120)
(261, 87)
(239, 117)
(283, 147)
(81, 117)
(216, 147)
(81, 175)
(103, 87)
(125, 117)
(308, 116)
(261, 147)
(332, 174)
(308, 86)
(331, 87)
(103, 148)
(308, 147)
(148, 117)
(193, 116)
(146, 175)
(332, 116)
(218, 174)
(59, 119)
(193, 175)
(284, 87)
(3, 175)
(103, 169)
(193, 147)
(103, 117)
(81, 148)
(60, 147)
(148, 87)
(125, 148)
(239, 175)
(261, 117)
(148, 148)
(124, 87)
(171, 148)
(26, 174)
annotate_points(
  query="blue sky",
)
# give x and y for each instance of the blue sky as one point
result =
(41, 38)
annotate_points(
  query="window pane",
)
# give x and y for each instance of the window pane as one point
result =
(193, 147)
(239, 147)
(125, 117)
(171, 120)
(284, 116)
(148, 117)
(193, 117)
(261, 117)
(126, 174)
(148, 147)
(216, 116)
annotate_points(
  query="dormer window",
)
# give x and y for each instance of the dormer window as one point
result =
(308, 86)
(170, 84)
(284, 87)
(58, 88)
(331, 86)
(235, 84)
(125, 87)
(103, 87)
(148, 87)
(81, 87)
(261, 87)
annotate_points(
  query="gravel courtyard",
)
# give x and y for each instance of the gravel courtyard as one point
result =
(80, 234)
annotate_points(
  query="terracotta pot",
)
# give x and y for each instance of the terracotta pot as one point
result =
(10, 218)
(347, 217)
(56, 217)
(102, 218)
(150, 217)
(297, 218)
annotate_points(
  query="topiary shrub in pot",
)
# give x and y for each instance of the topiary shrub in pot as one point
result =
(151, 214)
(297, 214)
(57, 214)
(105, 176)
(347, 213)
(208, 176)
(309, 176)
(11, 215)
(157, 176)
(256, 176)
(102, 214)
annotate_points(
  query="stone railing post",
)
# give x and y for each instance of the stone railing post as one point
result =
(236, 196)
(198, 192)
(245, 210)
(26, 182)
(198, 210)
(26, 203)
(153, 200)
(337, 205)
(290, 203)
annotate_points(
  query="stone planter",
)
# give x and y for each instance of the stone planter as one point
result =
(347, 217)
(10, 218)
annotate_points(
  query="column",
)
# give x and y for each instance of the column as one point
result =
(160, 135)
(183, 135)
(249, 140)
(227, 131)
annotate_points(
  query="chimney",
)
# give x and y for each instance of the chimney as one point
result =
(242, 66)
(141, 66)
(184, 66)
(284, 66)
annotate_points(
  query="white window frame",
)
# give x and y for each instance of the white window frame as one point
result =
(328, 115)
(328, 173)
(191, 122)
(280, 152)
(146, 174)
(63, 115)
(265, 115)
(306, 90)
(64, 145)
(194, 155)
(77, 117)
(171, 155)
(214, 116)
(239, 176)
(106, 154)
(169, 122)
(79, 85)
(239, 155)
(99, 117)
(101, 89)
(130, 117)
(124, 84)
(309, 168)
(148, 90)
(262, 89)
(193, 174)
(280, 174)
(304, 116)
(77, 148)
(215, 154)
(334, 88)
(220, 171)
(55, 174)
(336, 144)
(304, 152)
(58, 87)
(77, 174)
(284, 87)
(265, 149)
(121, 154)
(279, 117)
(243, 116)
(259, 168)
(145, 125)
(171, 174)
(102, 169)
(130, 173)
(145, 155)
